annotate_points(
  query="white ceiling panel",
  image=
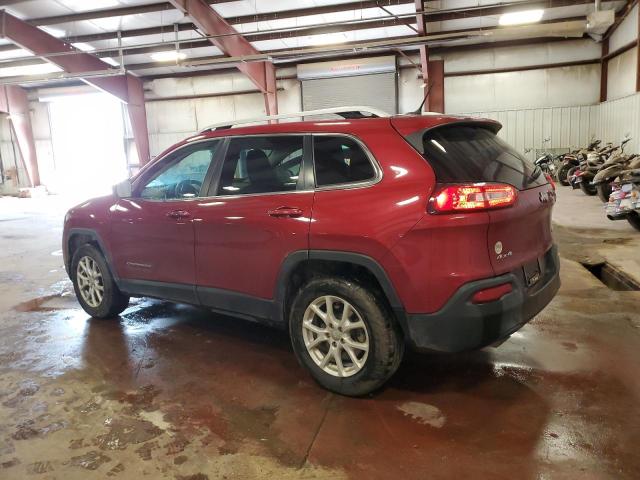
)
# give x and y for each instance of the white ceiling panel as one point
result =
(37, 8)
(141, 20)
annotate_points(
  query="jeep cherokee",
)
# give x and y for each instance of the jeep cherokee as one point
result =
(359, 236)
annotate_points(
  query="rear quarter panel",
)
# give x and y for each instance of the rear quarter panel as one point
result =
(370, 220)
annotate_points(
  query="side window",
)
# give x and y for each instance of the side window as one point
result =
(184, 177)
(340, 160)
(261, 165)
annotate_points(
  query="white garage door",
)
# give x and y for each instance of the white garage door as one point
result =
(368, 81)
(376, 90)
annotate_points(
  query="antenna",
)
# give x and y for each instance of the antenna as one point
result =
(418, 111)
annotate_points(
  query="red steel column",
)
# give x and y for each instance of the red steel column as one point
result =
(14, 102)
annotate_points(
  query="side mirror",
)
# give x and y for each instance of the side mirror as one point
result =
(122, 189)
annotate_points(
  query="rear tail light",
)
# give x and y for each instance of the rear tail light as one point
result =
(471, 197)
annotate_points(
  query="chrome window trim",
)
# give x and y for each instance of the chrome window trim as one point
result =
(337, 186)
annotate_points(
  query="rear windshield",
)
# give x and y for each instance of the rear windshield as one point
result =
(473, 153)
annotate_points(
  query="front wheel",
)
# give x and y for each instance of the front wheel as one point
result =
(604, 192)
(587, 188)
(345, 336)
(93, 283)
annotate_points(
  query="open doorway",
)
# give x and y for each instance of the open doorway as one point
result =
(87, 133)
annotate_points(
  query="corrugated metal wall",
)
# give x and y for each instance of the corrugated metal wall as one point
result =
(526, 129)
(571, 126)
(618, 117)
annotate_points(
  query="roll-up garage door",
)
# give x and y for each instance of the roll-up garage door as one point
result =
(371, 82)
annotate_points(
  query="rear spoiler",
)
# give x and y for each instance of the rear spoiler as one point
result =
(413, 131)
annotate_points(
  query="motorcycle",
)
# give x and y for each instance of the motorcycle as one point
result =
(584, 173)
(571, 161)
(624, 201)
(610, 170)
(547, 162)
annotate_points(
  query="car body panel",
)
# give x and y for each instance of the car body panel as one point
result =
(240, 247)
(147, 244)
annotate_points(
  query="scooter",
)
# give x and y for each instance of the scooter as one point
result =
(584, 173)
(624, 201)
(547, 162)
(572, 161)
(610, 170)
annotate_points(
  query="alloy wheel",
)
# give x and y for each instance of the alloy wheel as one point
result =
(335, 336)
(90, 281)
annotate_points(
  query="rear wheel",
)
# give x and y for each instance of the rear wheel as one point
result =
(634, 219)
(345, 336)
(93, 283)
(563, 171)
(604, 192)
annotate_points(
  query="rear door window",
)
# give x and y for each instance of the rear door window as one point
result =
(473, 153)
(338, 160)
(262, 165)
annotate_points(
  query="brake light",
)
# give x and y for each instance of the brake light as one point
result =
(471, 197)
(550, 180)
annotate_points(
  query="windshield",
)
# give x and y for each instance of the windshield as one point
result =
(473, 153)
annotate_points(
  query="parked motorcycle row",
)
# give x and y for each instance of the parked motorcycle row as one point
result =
(603, 170)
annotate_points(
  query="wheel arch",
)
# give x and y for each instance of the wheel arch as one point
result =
(300, 266)
(81, 236)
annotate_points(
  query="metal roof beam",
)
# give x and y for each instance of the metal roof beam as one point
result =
(209, 22)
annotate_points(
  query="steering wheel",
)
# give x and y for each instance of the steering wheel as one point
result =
(188, 187)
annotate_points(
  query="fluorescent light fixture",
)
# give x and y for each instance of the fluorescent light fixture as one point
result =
(168, 56)
(327, 38)
(38, 69)
(520, 18)
(18, 52)
(85, 47)
(110, 61)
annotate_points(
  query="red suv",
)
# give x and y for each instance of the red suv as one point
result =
(360, 236)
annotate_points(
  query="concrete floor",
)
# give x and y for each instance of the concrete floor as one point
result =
(170, 391)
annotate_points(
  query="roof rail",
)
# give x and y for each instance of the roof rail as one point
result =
(350, 112)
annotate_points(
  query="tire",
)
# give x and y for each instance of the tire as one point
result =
(562, 175)
(586, 188)
(634, 220)
(604, 192)
(113, 301)
(570, 173)
(381, 332)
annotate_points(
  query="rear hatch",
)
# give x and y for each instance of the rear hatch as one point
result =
(470, 152)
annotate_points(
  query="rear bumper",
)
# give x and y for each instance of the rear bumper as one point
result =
(461, 325)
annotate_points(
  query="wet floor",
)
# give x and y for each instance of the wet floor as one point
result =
(176, 392)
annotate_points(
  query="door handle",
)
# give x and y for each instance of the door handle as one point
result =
(178, 214)
(292, 212)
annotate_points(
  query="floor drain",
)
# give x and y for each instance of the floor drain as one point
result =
(612, 277)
